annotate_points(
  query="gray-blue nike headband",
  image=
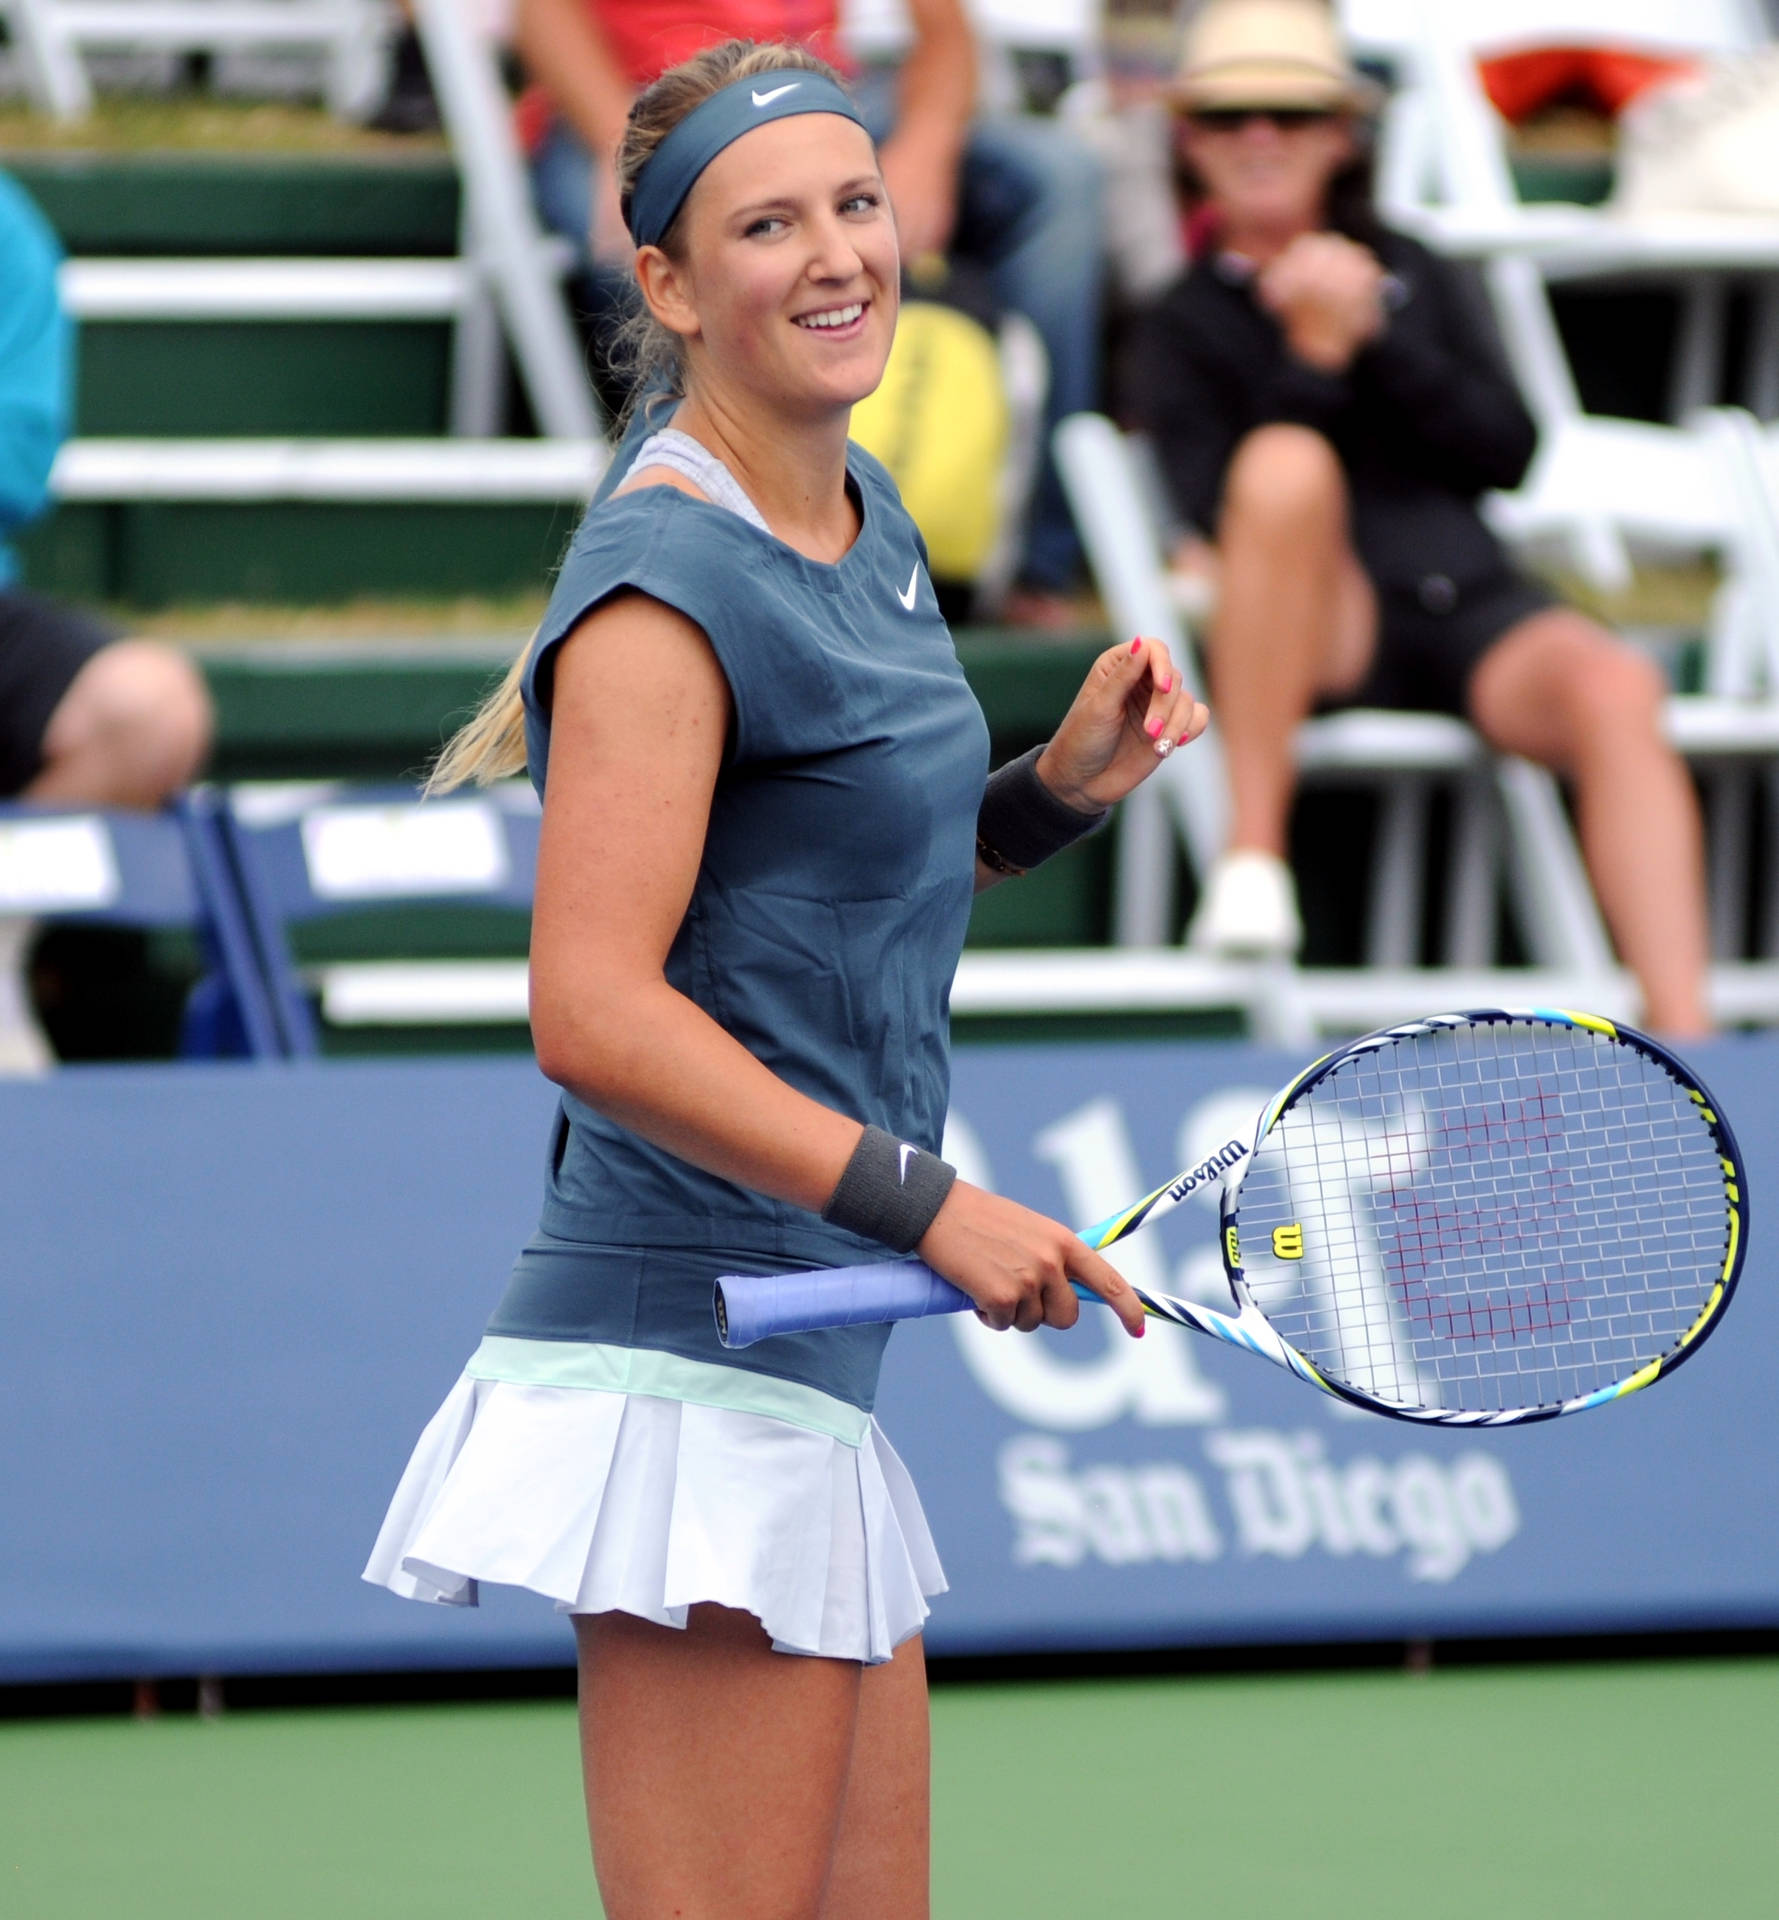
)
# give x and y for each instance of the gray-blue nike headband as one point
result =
(672, 170)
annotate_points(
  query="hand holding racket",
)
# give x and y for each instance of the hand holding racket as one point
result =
(1474, 1219)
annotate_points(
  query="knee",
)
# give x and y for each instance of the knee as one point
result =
(1612, 693)
(1286, 479)
(139, 715)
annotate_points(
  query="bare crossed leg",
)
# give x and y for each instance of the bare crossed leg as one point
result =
(729, 1782)
(1564, 692)
(133, 727)
(1296, 618)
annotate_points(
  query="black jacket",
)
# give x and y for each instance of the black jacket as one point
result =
(1424, 420)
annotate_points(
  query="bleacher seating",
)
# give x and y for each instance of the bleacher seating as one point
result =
(501, 293)
(305, 854)
(168, 869)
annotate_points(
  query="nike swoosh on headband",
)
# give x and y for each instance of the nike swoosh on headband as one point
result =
(671, 171)
(907, 599)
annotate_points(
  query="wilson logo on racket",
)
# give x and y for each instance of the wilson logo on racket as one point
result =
(1287, 1242)
(1220, 1162)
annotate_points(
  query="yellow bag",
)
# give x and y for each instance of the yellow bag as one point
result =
(940, 423)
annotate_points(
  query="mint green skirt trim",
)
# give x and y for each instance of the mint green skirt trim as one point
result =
(665, 1376)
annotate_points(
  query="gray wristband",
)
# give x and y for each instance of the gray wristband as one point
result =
(1022, 823)
(890, 1191)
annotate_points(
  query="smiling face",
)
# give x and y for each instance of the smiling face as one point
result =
(1267, 174)
(784, 278)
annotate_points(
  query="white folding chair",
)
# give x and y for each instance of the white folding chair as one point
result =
(1444, 172)
(350, 37)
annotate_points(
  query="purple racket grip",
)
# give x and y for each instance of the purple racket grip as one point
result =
(752, 1307)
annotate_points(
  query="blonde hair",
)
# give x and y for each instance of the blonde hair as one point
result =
(490, 746)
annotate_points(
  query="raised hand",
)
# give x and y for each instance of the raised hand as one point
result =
(1131, 713)
(1327, 292)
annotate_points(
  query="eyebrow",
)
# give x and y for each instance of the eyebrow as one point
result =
(753, 209)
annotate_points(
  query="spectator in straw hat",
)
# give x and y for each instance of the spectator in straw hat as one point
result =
(1329, 402)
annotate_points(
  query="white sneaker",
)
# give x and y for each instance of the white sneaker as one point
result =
(1248, 907)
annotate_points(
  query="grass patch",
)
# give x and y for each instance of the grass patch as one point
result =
(1637, 1791)
(185, 123)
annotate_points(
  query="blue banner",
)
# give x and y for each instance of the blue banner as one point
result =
(231, 1296)
(1087, 1490)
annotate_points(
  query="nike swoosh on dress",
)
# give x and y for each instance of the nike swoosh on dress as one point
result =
(766, 99)
(907, 599)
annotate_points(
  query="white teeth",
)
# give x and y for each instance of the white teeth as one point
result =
(835, 317)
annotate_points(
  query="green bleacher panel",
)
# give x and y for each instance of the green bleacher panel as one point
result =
(268, 378)
(147, 204)
(164, 553)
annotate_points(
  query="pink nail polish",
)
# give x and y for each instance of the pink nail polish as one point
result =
(1136, 646)
(1167, 685)
(1153, 728)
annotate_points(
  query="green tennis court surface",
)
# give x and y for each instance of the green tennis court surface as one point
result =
(1628, 1791)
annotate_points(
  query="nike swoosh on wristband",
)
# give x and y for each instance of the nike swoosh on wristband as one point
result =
(907, 599)
(766, 99)
(907, 1154)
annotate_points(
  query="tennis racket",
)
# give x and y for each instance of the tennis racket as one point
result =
(1475, 1219)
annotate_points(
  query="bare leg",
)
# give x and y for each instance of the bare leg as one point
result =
(882, 1862)
(1562, 691)
(1295, 617)
(716, 1769)
(132, 729)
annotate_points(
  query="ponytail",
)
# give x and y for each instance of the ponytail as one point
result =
(490, 745)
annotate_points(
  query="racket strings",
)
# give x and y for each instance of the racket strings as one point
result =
(1496, 1216)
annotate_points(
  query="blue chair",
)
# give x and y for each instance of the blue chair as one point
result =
(303, 855)
(99, 867)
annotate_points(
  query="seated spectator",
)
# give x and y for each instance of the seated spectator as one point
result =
(1013, 194)
(1328, 402)
(86, 718)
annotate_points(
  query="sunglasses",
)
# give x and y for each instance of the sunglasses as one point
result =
(1233, 119)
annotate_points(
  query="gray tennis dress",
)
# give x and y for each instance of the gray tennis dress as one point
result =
(602, 1446)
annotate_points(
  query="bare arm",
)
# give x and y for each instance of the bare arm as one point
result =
(640, 713)
(936, 97)
(563, 47)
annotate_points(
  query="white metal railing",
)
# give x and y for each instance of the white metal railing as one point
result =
(1280, 1005)
(440, 470)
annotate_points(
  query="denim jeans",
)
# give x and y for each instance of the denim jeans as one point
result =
(1028, 213)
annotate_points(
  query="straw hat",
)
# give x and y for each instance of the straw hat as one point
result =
(1269, 53)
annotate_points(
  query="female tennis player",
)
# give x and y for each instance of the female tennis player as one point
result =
(764, 816)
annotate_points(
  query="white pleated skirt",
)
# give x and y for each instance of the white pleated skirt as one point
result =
(621, 1501)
